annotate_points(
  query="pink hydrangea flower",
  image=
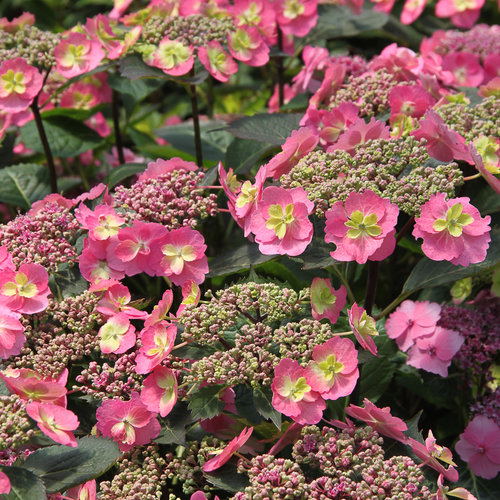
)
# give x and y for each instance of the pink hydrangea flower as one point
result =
(380, 419)
(465, 68)
(300, 142)
(233, 446)
(443, 492)
(296, 17)
(26, 290)
(479, 446)
(316, 60)
(191, 294)
(97, 263)
(54, 421)
(326, 302)
(217, 61)
(160, 310)
(274, 104)
(102, 223)
(173, 57)
(160, 391)
(493, 181)
(363, 327)
(12, 336)
(25, 19)
(180, 255)
(161, 166)
(362, 228)
(20, 83)
(333, 372)
(409, 100)
(412, 320)
(245, 44)
(86, 491)
(115, 301)
(489, 149)
(434, 353)
(99, 29)
(256, 13)
(333, 79)
(293, 394)
(453, 230)
(117, 335)
(77, 54)
(157, 342)
(280, 223)
(463, 13)
(336, 121)
(4, 484)
(129, 423)
(412, 10)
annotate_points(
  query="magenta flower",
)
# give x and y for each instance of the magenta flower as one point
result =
(77, 54)
(281, 221)
(173, 57)
(363, 327)
(25, 291)
(160, 391)
(115, 301)
(217, 61)
(462, 14)
(12, 336)
(336, 121)
(4, 484)
(326, 302)
(412, 10)
(157, 342)
(409, 100)
(380, 419)
(453, 230)
(465, 68)
(479, 446)
(233, 446)
(296, 17)
(293, 395)
(333, 372)
(245, 44)
(180, 255)
(97, 263)
(362, 228)
(117, 335)
(103, 223)
(129, 423)
(412, 320)
(54, 421)
(20, 83)
(434, 353)
(86, 491)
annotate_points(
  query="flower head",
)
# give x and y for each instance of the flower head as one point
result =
(233, 446)
(173, 57)
(160, 391)
(363, 327)
(12, 336)
(326, 302)
(245, 44)
(157, 342)
(117, 334)
(217, 61)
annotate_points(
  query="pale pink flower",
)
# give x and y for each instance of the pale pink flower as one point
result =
(4, 484)
(245, 44)
(363, 327)
(463, 13)
(217, 61)
(410, 100)
(80, 95)
(86, 491)
(453, 230)
(412, 10)
(102, 223)
(157, 342)
(95, 260)
(54, 421)
(25, 19)
(99, 29)
(180, 255)
(26, 290)
(479, 446)
(159, 167)
(380, 419)
(326, 302)
(20, 83)
(160, 391)
(412, 320)
(296, 17)
(293, 394)
(115, 301)
(434, 353)
(300, 142)
(333, 372)
(173, 57)
(160, 311)
(233, 446)
(491, 65)
(76, 55)
(465, 68)
(493, 181)
(129, 423)
(117, 335)
(281, 221)
(256, 13)
(12, 336)
(362, 228)
(190, 296)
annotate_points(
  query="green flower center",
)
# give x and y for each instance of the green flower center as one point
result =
(362, 225)
(455, 221)
(293, 9)
(330, 367)
(295, 390)
(14, 82)
(280, 219)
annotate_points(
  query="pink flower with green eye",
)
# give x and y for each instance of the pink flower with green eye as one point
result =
(362, 227)
(115, 301)
(117, 335)
(77, 54)
(157, 342)
(463, 13)
(190, 296)
(363, 327)
(26, 290)
(293, 394)
(20, 83)
(281, 221)
(453, 230)
(326, 302)
(173, 57)
(296, 17)
(489, 149)
(4, 484)
(54, 421)
(333, 372)
(12, 336)
(160, 310)
(217, 61)
(160, 391)
(102, 223)
(96, 261)
(245, 44)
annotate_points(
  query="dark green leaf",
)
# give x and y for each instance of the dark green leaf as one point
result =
(237, 260)
(317, 255)
(205, 402)
(267, 128)
(262, 398)
(245, 405)
(24, 485)
(429, 273)
(64, 184)
(412, 425)
(134, 90)
(210, 177)
(376, 375)
(227, 478)
(120, 173)
(76, 114)
(61, 467)
(66, 136)
(193, 351)
(173, 429)
(67, 281)
(299, 103)
(242, 154)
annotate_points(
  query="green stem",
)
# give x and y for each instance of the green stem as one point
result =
(344, 282)
(371, 286)
(116, 125)
(196, 122)
(393, 304)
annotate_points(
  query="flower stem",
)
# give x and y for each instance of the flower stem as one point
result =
(405, 228)
(371, 286)
(196, 122)
(45, 144)
(344, 281)
(393, 304)
(281, 71)
(472, 177)
(116, 125)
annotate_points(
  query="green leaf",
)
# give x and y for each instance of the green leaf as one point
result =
(262, 398)
(245, 405)
(24, 485)
(134, 90)
(66, 136)
(317, 255)
(429, 273)
(120, 173)
(173, 429)
(227, 478)
(77, 114)
(267, 128)
(376, 375)
(242, 154)
(67, 281)
(61, 467)
(205, 402)
(412, 425)
(237, 260)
